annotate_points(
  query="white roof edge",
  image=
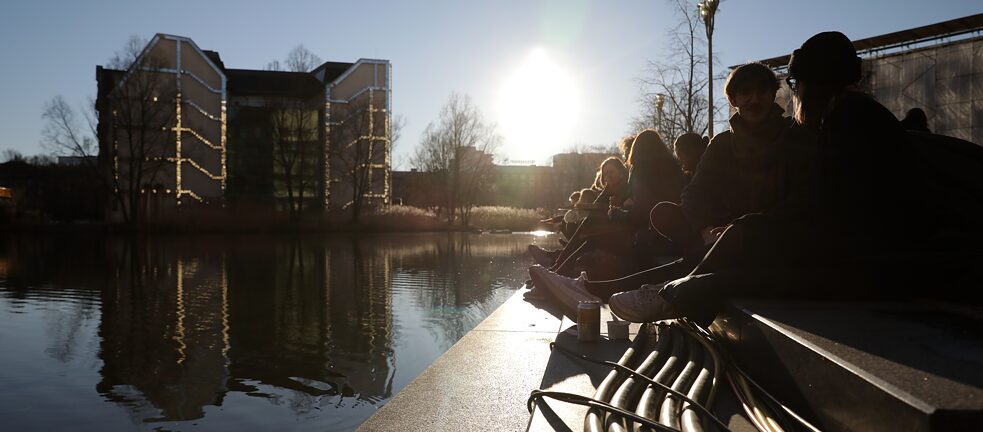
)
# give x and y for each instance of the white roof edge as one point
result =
(197, 48)
(352, 68)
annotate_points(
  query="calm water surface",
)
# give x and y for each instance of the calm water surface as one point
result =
(234, 333)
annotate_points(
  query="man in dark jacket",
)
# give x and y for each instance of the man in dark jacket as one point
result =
(744, 170)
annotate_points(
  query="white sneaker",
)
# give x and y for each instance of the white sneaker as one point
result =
(642, 305)
(567, 292)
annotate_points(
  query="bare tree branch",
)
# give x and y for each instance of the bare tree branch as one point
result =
(457, 152)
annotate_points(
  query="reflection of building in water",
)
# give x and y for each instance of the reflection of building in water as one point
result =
(312, 319)
(935, 67)
(300, 323)
(164, 334)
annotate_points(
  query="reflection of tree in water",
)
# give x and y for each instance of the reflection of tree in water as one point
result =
(163, 330)
(311, 317)
(455, 278)
(62, 268)
(303, 323)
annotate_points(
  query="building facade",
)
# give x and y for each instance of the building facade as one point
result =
(179, 129)
(523, 186)
(937, 67)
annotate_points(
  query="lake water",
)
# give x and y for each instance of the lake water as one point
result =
(234, 332)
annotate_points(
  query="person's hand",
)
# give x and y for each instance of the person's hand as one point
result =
(615, 212)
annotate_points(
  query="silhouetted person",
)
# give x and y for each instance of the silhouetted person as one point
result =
(744, 170)
(915, 120)
(654, 176)
(689, 148)
(849, 228)
(625, 145)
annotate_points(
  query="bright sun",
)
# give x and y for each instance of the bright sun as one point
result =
(537, 109)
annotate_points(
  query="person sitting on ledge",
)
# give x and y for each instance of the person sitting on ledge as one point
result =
(744, 170)
(689, 148)
(611, 182)
(855, 227)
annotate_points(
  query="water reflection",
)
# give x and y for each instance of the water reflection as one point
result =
(226, 332)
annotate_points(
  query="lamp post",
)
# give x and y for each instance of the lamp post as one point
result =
(708, 8)
(660, 100)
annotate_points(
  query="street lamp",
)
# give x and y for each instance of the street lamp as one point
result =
(660, 100)
(708, 8)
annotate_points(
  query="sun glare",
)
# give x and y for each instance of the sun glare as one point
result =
(537, 109)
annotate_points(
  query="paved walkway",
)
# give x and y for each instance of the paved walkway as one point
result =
(483, 381)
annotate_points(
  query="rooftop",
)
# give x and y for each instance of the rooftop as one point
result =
(958, 28)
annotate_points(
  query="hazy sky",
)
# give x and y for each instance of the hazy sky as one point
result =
(506, 55)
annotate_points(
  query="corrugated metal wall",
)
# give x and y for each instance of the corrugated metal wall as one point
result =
(945, 80)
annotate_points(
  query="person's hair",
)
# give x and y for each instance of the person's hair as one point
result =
(752, 75)
(599, 178)
(625, 144)
(588, 195)
(575, 196)
(823, 67)
(915, 119)
(649, 150)
(691, 143)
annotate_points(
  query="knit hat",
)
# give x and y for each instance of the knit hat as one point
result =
(828, 57)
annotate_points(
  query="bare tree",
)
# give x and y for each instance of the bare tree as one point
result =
(299, 59)
(294, 120)
(63, 134)
(457, 151)
(141, 110)
(680, 77)
(11, 155)
(358, 151)
(294, 123)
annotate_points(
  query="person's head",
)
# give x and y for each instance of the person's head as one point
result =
(575, 197)
(915, 119)
(588, 195)
(625, 145)
(751, 89)
(689, 148)
(647, 149)
(612, 172)
(822, 67)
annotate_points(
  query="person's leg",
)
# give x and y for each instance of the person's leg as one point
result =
(606, 288)
(669, 220)
(575, 240)
(743, 261)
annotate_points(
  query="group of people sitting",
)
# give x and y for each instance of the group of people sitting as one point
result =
(839, 202)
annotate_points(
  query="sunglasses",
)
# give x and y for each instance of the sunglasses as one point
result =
(793, 84)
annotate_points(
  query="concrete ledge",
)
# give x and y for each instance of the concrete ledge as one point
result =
(483, 381)
(865, 366)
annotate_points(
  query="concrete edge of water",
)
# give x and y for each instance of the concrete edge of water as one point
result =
(484, 380)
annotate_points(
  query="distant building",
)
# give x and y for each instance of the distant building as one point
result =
(936, 67)
(524, 186)
(216, 135)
